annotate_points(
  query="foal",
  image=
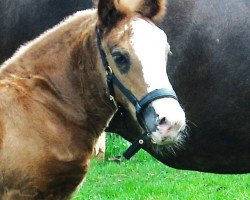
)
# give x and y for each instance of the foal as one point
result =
(55, 100)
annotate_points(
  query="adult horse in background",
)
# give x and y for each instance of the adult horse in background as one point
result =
(209, 69)
(22, 21)
(56, 95)
(210, 72)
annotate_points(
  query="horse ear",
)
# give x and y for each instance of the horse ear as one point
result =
(152, 9)
(112, 11)
(108, 13)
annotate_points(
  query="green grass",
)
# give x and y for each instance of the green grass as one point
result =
(143, 177)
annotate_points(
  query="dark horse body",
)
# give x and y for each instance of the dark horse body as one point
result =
(22, 21)
(209, 70)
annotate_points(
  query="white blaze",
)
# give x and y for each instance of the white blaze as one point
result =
(151, 47)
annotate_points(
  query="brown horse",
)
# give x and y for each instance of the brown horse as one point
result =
(57, 95)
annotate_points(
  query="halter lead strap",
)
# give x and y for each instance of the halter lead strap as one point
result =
(139, 105)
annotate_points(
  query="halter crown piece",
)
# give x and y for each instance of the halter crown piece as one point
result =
(140, 105)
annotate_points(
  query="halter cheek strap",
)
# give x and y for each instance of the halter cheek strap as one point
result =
(140, 105)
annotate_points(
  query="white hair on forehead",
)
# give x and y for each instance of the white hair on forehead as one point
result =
(151, 47)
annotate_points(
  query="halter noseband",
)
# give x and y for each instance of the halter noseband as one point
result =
(140, 105)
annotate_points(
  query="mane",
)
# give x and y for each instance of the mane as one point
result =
(79, 19)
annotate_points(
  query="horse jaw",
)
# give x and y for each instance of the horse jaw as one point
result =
(151, 47)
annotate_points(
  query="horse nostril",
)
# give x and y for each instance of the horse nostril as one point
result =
(162, 121)
(164, 124)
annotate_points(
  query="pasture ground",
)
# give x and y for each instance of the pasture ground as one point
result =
(144, 178)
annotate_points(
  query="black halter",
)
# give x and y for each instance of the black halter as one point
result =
(140, 105)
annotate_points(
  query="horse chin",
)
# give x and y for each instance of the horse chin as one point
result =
(157, 138)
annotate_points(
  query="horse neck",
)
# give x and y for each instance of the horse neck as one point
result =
(65, 57)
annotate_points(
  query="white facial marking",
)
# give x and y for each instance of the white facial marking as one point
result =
(151, 47)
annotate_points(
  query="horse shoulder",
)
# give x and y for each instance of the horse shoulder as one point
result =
(33, 135)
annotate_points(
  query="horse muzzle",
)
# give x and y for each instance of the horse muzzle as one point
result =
(163, 119)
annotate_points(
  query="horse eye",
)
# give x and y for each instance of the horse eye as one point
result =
(122, 60)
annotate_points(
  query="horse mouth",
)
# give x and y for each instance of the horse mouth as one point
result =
(170, 138)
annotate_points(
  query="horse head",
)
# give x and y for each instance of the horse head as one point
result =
(134, 52)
